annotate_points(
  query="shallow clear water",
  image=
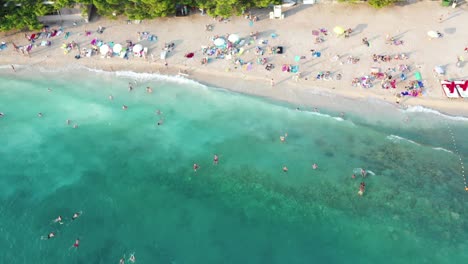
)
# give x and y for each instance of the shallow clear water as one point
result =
(134, 181)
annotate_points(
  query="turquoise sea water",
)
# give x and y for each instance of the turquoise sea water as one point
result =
(134, 183)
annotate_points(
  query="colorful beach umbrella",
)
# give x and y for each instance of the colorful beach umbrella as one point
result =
(338, 30)
(219, 42)
(117, 48)
(137, 48)
(233, 38)
(104, 49)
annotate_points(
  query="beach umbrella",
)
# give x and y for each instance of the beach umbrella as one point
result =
(432, 34)
(233, 38)
(219, 42)
(315, 32)
(137, 48)
(104, 49)
(439, 70)
(297, 58)
(338, 30)
(117, 48)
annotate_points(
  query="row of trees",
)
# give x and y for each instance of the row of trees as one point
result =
(20, 14)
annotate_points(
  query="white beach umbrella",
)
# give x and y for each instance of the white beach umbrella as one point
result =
(117, 48)
(104, 49)
(432, 34)
(219, 42)
(137, 48)
(439, 70)
(233, 38)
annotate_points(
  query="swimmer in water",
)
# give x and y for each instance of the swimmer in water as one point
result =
(124, 107)
(362, 188)
(149, 90)
(77, 243)
(122, 260)
(282, 138)
(68, 121)
(215, 159)
(111, 97)
(285, 169)
(353, 176)
(160, 122)
(158, 112)
(58, 220)
(2, 114)
(39, 114)
(130, 87)
(49, 90)
(342, 114)
(315, 166)
(76, 215)
(195, 167)
(132, 258)
(49, 236)
(363, 173)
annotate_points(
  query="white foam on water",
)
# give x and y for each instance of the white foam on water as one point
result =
(442, 149)
(395, 139)
(422, 109)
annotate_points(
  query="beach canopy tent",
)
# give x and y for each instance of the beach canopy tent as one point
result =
(104, 49)
(137, 48)
(433, 34)
(163, 55)
(117, 48)
(233, 38)
(338, 30)
(417, 76)
(219, 42)
(439, 70)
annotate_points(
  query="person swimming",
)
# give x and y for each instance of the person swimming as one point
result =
(2, 114)
(130, 87)
(149, 90)
(111, 97)
(77, 243)
(363, 173)
(68, 121)
(285, 169)
(215, 159)
(76, 215)
(362, 188)
(282, 138)
(39, 114)
(315, 166)
(58, 220)
(132, 258)
(195, 167)
(122, 260)
(160, 122)
(124, 107)
(75, 126)
(49, 236)
(353, 176)
(158, 112)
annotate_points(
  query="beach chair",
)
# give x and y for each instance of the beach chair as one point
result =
(462, 88)
(277, 12)
(449, 89)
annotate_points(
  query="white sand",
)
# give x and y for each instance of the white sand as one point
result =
(410, 22)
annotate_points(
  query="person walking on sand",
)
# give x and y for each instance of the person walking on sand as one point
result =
(272, 82)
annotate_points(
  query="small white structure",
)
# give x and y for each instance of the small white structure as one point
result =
(277, 12)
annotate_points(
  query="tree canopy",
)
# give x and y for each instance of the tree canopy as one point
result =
(22, 14)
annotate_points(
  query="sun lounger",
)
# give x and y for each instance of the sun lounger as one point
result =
(462, 88)
(449, 89)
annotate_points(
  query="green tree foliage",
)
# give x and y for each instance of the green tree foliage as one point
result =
(21, 14)
(382, 3)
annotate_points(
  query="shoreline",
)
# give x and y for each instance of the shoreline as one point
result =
(290, 93)
(307, 91)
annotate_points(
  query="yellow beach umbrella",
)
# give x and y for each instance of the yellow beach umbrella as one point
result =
(338, 30)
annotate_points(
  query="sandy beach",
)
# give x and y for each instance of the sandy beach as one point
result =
(409, 24)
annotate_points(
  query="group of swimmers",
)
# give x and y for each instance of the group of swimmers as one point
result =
(59, 220)
(215, 162)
